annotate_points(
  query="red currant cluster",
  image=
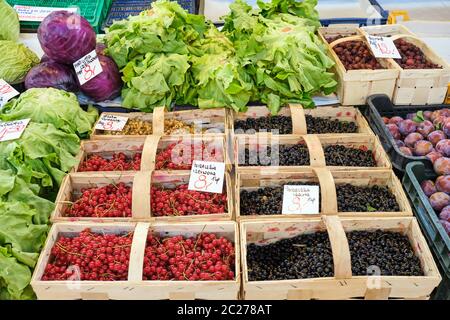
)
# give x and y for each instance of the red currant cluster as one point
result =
(204, 257)
(118, 162)
(90, 256)
(109, 201)
(183, 202)
(179, 156)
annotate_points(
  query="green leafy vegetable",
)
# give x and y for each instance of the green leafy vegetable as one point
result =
(9, 22)
(49, 105)
(15, 61)
(14, 277)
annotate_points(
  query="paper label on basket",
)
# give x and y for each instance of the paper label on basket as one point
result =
(6, 92)
(88, 67)
(37, 14)
(111, 122)
(207, 176)
(383, 47)
(300, 199)
(12, 130)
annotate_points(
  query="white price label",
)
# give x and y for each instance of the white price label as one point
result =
(88, 67)
(207, 176)
(6, 92)
(383, 47)
(300, 199)
(30, 13)
(111, 122)
(12, 130)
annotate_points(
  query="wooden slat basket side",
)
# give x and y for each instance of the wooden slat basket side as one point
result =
(135, 288)
(354, 86)
(101, 135)
(386, 30)
(422, 86)
(344, 286)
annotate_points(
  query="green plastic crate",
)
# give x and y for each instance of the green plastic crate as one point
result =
(95, 11)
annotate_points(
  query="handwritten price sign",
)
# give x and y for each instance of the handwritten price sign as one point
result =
(12, 130)
(6, 92)
(88, 67)
(111, 122)
(383, 47)
(207, 176)
(300, 200)
(30, 13)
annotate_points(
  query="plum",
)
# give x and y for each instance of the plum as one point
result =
(428, 187)
(443, 147)
(406, 151)
(433, 156)
(425, 128)
(445, 112)
(385, 120)
(434, 115)
(410, 116)
(393, 129)
(427, 115)
(439, 121)
(445, 214)
(446, 127)
(446, 226)
(395, 120)
(407, 126)
(443, 184)
(412, 138)
(436, 136)
(399, 143)
(439, 200)
(422, 148)
(442, 166)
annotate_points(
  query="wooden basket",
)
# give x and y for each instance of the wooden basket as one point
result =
(214, 121)
(135, 288)
(327, 181)
(149, 146)
(343, 285)
(354, 86)
(141, 183)
(386, 30)
(315, 144)
(421, 86)
(296, 111)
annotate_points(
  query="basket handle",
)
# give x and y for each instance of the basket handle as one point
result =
(341, 40)
(135, 268)
(316, 154)
(327, 190)
(149, 153)
(298, 119)
(141, 208)
(158, 121)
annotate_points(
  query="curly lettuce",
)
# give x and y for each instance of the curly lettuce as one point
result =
(9, 22)
(15, 61)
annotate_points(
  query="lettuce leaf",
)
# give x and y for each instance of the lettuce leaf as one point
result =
(15, 61)
(14, 277)
(9, 22)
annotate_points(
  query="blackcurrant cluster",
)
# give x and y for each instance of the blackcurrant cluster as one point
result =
(352, 198)
(339, 155)
(282, 155)
(318, 125)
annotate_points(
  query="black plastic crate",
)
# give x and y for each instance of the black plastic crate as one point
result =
(379, 105)
(436, 236)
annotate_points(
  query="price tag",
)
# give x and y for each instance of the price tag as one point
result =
(6, 92)
(111, 122)
(207, 176)
(88, 67)
(300, 200)
(12, 130)
(383, 47)
(30, 13)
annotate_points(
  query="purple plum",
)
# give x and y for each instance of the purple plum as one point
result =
(439, 121)
(412, 138)
(428, 187)
(445, 214)
(395, 120)
(407, 126)
(442, 166)
(439, 200)
(399, 143)
(446, 127)
(445, 112)
(422, 148)
(385, 120)
(427, 115)
(443, 147)
(406, 151)
(436, 136)
(434, 115)
(425, 128)
(410, 116)
(433, 156)
(443, 184)
(393, 129)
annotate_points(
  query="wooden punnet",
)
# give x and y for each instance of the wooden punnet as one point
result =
(296, 111)
(386, 30)
(141, 183)
(343, 285)
(135, 288)
(149, 146)
(354, 86)
(327, 181)
(211, 122)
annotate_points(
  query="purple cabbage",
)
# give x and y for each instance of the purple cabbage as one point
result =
(52, 75)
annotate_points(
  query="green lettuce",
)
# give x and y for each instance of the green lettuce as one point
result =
(49, 105)
(14, 277)
(9, 22)
(15, 61)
